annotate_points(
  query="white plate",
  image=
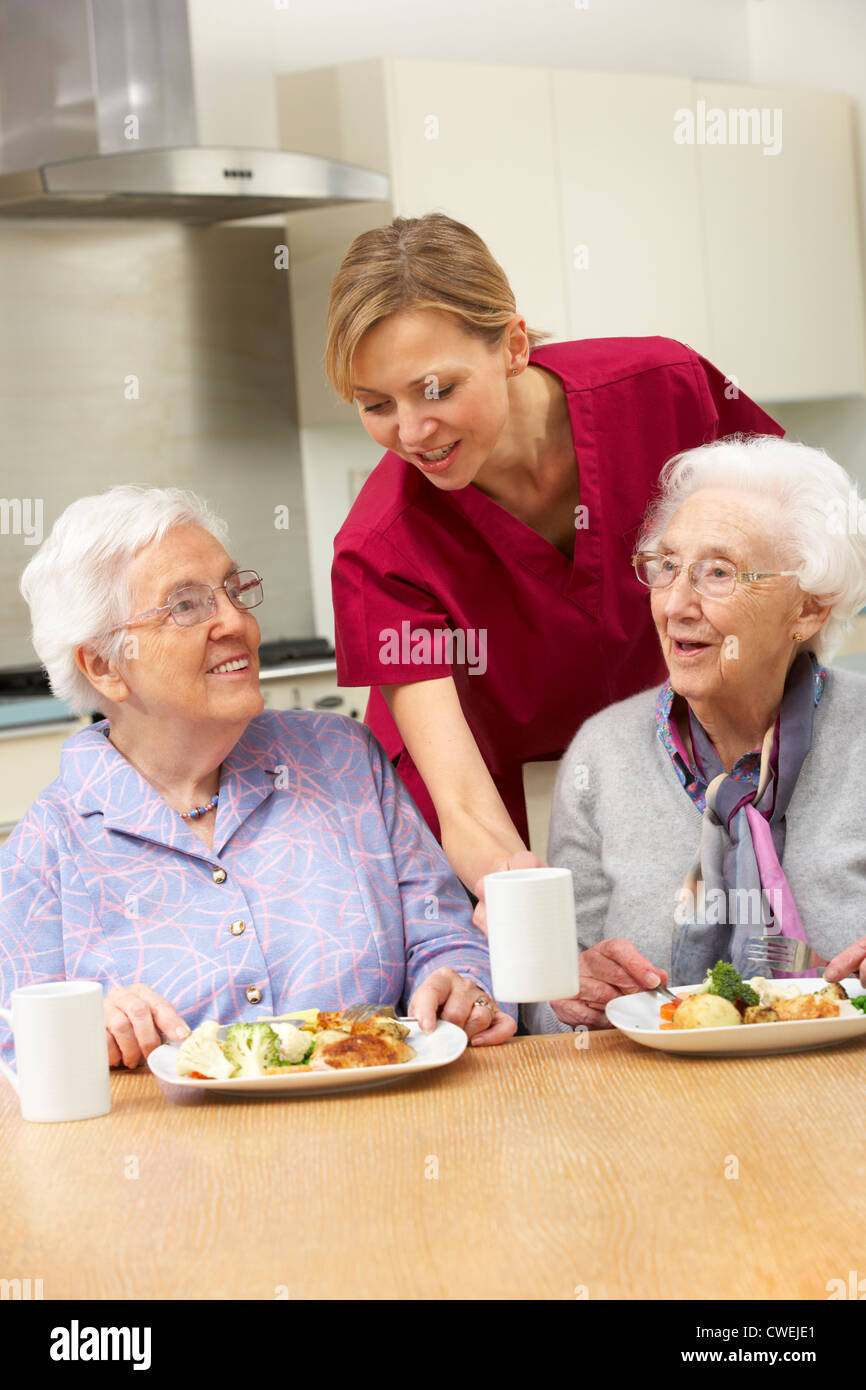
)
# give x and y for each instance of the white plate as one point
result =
(445, 1044)
(637, 1015)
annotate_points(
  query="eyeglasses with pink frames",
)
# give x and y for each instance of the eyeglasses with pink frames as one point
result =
(195, 603)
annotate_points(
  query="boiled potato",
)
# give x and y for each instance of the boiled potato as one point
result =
(705, 1011)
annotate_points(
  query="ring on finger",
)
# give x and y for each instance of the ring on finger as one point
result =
(484, 1003)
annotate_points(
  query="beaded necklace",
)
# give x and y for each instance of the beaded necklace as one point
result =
(200, 810)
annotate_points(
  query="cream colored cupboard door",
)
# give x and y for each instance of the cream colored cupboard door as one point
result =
(30, 762)
(475, 141)
(633, 256)
(539, 780)
(783, 262)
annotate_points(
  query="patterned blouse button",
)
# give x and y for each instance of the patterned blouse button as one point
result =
(238, 927)
(219, 875)
(254, 994)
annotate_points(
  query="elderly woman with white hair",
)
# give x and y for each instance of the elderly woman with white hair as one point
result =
(730, 804)
(198, 856)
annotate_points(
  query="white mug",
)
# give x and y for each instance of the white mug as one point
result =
(531, 934)
(61, 1050)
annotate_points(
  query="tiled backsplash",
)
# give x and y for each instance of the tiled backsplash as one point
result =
(156, 354)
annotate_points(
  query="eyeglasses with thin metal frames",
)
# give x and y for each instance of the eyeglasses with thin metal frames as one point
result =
(240, 580)
(743, 577)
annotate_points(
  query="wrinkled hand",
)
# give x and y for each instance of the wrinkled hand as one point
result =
(522, 859)
(607, 970)
(135, 1016)
(849, 962)
(448, 995)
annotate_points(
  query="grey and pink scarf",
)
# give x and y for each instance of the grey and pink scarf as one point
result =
(736, 888)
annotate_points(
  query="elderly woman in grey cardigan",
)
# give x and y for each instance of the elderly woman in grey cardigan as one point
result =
(730, 804)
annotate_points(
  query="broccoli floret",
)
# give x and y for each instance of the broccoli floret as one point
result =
(202, 1053)
(252, 1048)
(725, 981)
(860, 1003)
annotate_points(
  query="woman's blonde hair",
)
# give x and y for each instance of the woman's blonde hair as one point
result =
(429, 262)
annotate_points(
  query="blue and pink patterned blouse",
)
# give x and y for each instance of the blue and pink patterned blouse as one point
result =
(324, 885)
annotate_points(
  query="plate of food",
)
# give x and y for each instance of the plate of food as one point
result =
(726, 1015)
(306, 1053)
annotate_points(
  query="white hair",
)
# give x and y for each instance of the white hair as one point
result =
(823, 522)
(76, 585)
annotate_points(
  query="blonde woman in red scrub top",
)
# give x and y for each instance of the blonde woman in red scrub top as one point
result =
(482, 580)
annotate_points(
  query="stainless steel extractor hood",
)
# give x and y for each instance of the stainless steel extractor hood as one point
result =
(98, 119)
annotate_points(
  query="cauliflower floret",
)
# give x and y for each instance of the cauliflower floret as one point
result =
(771, 991)
(201, 1053)
(294, 1044)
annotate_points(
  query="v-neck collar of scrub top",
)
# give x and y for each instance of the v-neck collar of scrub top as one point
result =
(579, 580)
(101, 780)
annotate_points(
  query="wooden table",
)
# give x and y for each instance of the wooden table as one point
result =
(535, 1170)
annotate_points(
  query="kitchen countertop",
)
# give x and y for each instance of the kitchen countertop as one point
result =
(34, 713)
(301, 668)
(38, 712)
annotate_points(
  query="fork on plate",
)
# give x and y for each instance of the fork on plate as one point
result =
(662, 989)
(358, 1013)
(782, 953)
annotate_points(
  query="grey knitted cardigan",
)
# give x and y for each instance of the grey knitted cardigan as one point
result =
(624, 824)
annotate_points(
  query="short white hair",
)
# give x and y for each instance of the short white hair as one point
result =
(76, 584)
(817, 500)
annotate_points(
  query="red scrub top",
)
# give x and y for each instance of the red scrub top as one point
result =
(563, 638)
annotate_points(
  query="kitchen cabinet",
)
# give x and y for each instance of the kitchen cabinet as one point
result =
(781, 244)
(29, 762)
(633, 262)
(605, 223)
(315, 689)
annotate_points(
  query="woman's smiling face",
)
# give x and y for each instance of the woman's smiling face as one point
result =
(422, 383)
(727, 648)
(168, 668)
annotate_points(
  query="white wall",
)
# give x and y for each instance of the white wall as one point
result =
(238, 45)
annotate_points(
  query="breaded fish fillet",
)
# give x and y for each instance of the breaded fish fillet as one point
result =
(360, 1049)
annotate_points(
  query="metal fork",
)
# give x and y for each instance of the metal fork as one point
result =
(780, 953)
(358, 1013)
(662, 989)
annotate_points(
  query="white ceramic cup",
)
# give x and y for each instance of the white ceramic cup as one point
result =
(531, 934)
(61, 1050)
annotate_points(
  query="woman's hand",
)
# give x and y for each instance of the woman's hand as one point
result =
(607, 970)
(454, 998)
(521, 859)
(135, 1016)
(849, 962)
